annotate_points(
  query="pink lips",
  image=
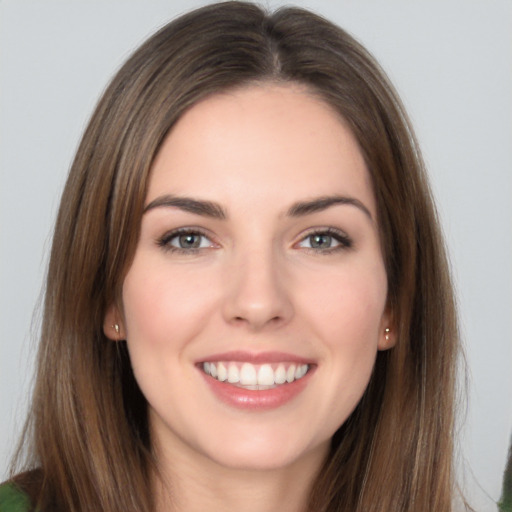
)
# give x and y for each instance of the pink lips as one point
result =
(257, 400)
(257, 358)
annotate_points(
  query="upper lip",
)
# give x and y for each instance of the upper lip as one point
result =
(256, 357)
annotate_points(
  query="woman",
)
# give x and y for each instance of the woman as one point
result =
(248, 303)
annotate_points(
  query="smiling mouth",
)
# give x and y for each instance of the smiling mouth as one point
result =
(255, 376)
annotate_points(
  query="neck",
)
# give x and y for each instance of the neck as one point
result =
(186, 485)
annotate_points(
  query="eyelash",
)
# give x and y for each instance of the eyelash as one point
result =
(165, 240)
(344, 241)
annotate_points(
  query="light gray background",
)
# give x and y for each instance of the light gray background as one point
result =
(451, 62)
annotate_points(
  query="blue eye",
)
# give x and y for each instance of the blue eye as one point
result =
(321, 241)
(326, 241)
(185, 240)
(188, 241)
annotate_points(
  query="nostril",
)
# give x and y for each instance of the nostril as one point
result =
(256, 323)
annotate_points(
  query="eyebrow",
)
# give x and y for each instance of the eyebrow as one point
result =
(322, 203)
(215, 211)
(199, 207)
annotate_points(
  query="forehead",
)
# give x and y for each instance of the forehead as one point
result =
(261, 143)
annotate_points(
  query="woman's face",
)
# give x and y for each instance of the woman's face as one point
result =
(256, 301)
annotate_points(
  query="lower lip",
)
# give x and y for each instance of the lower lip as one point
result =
(258, 400)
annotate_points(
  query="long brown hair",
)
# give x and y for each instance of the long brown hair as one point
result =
(88, 424)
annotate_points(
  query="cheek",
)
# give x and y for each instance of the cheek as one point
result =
(347, 311)
(348, 305)
(164, 309)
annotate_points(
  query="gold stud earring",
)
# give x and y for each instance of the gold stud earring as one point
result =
(387, 333)
(116, 328)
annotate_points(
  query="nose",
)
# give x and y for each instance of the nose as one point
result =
(258, 292)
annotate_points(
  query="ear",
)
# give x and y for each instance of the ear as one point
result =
(113, 326)
(387, 334)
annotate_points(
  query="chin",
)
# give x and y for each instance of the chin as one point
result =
(260, 453)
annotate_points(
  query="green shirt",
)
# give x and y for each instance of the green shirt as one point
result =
(12, 499)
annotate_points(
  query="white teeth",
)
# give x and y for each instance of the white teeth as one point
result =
(248, 375)
(266, 375)
(290, 374)
(222, 372)
(233, 373)
(255, 376)
(301, 371)
(280, 376)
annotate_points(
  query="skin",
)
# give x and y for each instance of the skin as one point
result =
(257, 284)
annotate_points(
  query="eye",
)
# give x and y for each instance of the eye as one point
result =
(185, 240)
(326, 240)
(189, 241)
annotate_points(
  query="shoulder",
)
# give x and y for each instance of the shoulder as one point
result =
(13, 499)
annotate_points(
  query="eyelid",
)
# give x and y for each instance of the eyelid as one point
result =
(344, 240)
(164, 240)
